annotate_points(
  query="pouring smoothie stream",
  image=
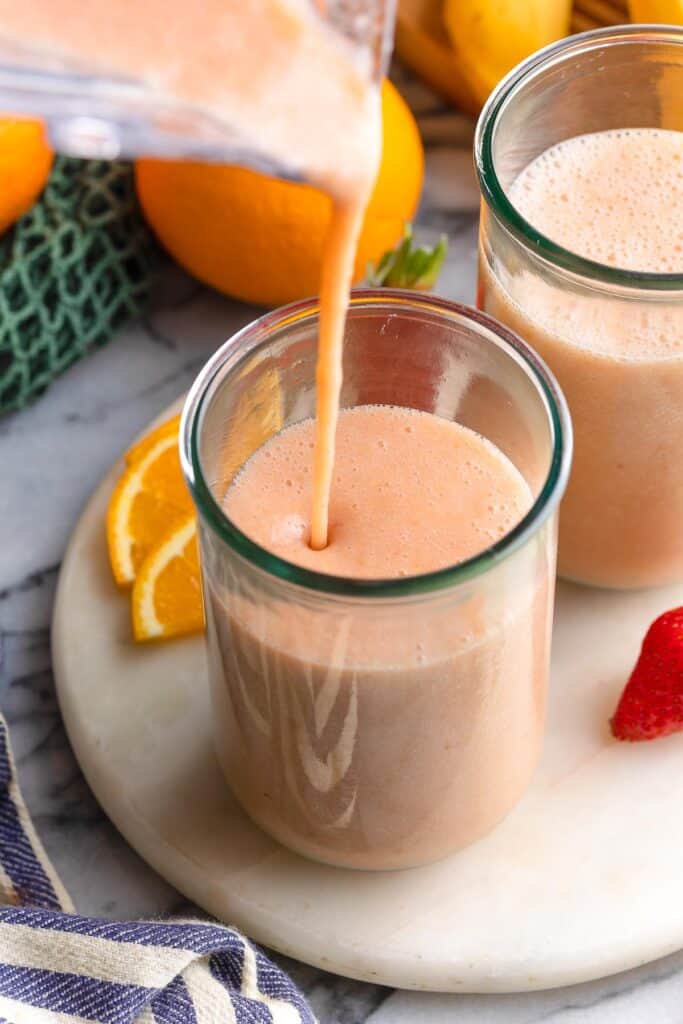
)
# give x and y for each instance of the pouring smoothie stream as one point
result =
(294, 91)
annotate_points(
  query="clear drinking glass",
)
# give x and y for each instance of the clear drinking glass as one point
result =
(89, 113)
(622, 516)
(378, 723)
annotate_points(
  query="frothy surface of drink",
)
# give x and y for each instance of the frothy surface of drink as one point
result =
(615, 197)
(411, 493)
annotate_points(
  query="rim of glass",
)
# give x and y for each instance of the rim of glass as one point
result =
(493, 191)
(231, 355)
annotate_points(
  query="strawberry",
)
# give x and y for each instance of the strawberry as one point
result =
(652, 702)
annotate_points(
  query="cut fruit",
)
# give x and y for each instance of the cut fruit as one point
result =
(151, 522)
(165, 429)
(167, 595)
(492, 36)
(150, 497)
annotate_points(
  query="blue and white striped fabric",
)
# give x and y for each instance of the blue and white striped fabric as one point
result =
(56, 966)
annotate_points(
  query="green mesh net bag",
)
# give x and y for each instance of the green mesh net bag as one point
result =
(73, 270)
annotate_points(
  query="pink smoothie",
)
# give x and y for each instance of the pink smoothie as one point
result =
(358, 738)
(616, 198)
(412, 493)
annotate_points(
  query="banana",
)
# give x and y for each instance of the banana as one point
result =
(661, 12)
(491, 36)
(602, 12)
(591, 14)
(462, 48)
(664, 12)
(583, 22)
(423, 44)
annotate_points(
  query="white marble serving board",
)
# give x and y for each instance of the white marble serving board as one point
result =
(583, 879)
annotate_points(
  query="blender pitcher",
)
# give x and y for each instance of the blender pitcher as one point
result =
(82, 68)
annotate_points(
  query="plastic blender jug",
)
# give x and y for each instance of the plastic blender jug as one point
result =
(91, 111)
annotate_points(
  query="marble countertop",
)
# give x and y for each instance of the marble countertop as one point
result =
(52, 455)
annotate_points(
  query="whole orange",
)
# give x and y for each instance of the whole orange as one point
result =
(25, 162)
(260, 239)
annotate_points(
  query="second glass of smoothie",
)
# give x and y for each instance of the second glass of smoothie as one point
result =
(379, 703)
(580, 160)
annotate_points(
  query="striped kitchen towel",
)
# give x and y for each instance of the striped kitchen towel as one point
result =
(58, 967)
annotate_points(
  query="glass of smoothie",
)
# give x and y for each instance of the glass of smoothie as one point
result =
(579, 153)
(379, 703)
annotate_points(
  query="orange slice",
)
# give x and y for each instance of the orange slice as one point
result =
(167, 596)
(165, 429)
(151, 523)
(150, 497)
